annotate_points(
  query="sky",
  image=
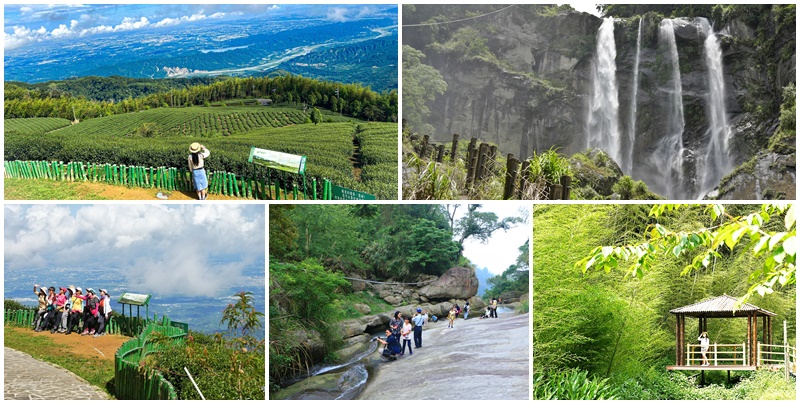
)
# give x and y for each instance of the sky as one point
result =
(503, 247)
(27, 24)
(186, 250)
(586, 8)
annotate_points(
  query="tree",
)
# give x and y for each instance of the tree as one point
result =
(481, 225)
(421, 85)
(241, 317)
(316, 116)
(705, 244)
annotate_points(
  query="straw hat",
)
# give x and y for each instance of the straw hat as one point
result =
(194, 148)
(43, 290)
(71, 289)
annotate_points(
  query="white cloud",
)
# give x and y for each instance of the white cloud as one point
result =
(25, 10)
(129, 23)
(194, 17)
(274, 7)
(338, 14)
(152, 245)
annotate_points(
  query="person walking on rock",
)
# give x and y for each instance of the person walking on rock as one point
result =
(466, 309)
(406, 332)
(196, 164)
(451, 317)
(494, 307)
(418, 320)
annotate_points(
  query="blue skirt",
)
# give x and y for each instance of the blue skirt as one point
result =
(200, 179)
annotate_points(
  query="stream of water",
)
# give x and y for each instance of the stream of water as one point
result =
(669, 153)
(627, 163)
(716, 162)
(602, 129)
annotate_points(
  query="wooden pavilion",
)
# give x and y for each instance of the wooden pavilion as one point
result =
(744, 356)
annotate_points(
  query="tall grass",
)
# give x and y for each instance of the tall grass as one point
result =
(573, 384)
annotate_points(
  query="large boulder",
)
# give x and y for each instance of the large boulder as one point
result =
(311, 341)
(362, 308)
(353, 346)
(351, 327)
(456, 283)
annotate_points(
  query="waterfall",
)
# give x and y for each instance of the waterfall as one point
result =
(627, 163)
(602, 122)
(668, 157)
(716, 162)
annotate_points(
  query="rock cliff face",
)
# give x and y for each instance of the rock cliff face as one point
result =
(532, 95)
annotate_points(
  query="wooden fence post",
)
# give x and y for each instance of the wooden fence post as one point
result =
(523, 178)
(555, 192)
(512, 165)
(472, 160)
(425, 140)
(440, 154)
(481, 168)
(454, 148)
(566, 182)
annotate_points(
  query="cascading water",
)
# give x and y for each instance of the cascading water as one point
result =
(716, 162)
(669, 154)
(602, 123)
(627, 163)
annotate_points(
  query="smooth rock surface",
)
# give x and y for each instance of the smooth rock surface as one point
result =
(477, 360)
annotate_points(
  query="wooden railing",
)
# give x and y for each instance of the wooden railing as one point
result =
(775, 356)
(786, 357)
(718, 354)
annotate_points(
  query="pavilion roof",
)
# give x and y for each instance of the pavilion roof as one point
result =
(720, 306)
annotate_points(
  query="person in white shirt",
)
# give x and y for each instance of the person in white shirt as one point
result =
(703, 338)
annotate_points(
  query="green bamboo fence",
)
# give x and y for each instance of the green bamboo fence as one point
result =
(24, 318)
(274, 185)
(135, 382)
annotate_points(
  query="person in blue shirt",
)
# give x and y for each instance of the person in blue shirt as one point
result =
(392, 346)
(418, 321)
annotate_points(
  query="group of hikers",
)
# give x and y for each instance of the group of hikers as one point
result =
(401, 328)
(70, 309)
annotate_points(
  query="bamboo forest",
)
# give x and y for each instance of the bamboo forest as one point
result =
(646, 302)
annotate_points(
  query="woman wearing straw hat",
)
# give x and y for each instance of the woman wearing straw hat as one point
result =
(196, 159)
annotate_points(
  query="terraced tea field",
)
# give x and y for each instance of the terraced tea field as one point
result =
(229, 133)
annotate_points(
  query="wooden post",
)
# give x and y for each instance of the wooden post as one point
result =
(481, 167)
(454, 148)
(678, 342)
(744, 354)
(555, 191)
(425, 140)
(715, 354)
(440, 154)
(566, 182)
(472, 162)
(523, 178)
(786, 361)
(512, 165)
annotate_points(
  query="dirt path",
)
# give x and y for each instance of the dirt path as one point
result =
(100, 348)
(125, 193)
